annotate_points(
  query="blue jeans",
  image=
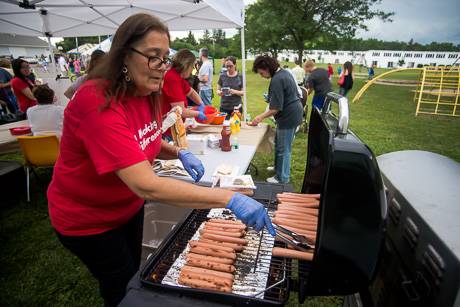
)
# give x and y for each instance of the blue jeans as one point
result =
(206, 96)
(318, 101)
(343, 92)
(283, 148)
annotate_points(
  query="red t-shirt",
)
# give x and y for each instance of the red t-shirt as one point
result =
(18, 85)
(175, 89)
(86, 196)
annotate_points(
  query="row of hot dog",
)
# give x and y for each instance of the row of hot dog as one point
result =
(298, 213)
(211, 258)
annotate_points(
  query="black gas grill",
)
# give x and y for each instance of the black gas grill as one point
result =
(349, 236)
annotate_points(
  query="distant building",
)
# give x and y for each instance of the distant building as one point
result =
(22, 46)
(378, 58)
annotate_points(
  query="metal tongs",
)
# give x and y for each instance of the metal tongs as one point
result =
(297, 241)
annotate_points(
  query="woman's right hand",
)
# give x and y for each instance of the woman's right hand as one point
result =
(219, 92)
(251, 212)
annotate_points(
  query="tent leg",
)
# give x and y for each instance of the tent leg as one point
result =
(243, 67)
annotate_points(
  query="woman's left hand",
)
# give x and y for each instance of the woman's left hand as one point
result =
(191, 164)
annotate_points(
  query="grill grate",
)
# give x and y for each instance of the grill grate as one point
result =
(280, 270)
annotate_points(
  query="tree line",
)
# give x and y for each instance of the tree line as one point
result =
(275, 25)
(216, 41)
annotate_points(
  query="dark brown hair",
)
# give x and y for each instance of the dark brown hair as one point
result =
(267, 63)
(182, 60)
(231, 58)
(132, 30)
(348, 66)
(44, 94)
(96, 57)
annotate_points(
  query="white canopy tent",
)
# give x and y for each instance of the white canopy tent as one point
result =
(70, 18)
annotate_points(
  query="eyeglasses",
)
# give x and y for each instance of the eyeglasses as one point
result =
(154, 62)
(229, 66)
(25, 67)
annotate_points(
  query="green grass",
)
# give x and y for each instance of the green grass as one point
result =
(37, 271)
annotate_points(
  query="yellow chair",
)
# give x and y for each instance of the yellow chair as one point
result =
(38, 151)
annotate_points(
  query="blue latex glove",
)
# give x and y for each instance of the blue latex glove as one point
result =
(251, 212)
(201, 107)
(191, 164)
(201, 116)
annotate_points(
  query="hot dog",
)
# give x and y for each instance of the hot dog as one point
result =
(291, 223)
(222, 221)
(219, 274)
(211, 246)
(224, 238)
(202, 263)
(222, 233)
(225, 226)
(202, 284)
(212, 252)
(301, 205)
(236, 247)
(299, 195)
(297, 210)
(219, 228)
(288, 253)
(209, 258)
(296, 215)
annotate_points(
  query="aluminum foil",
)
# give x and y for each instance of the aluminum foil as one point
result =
(251, 272)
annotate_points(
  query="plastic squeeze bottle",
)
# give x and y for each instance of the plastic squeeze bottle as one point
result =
(226, 133)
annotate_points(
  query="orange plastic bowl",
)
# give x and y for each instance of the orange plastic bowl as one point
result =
(210, 113)
(24, 130)
(219, 118)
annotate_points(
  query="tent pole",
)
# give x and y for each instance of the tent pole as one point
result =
(243, 67)
(76, 42)
(50, 48)
(44, 17)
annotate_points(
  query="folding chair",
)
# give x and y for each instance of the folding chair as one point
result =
(39, 151)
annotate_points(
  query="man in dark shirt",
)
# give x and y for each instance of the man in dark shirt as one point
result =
(317, 81)
(285, 106)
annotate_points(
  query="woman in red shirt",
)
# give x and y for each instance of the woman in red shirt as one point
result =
(23, 86)
(111, 135)
(176, 87)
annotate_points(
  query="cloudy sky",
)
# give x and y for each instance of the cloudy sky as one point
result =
(423, 20)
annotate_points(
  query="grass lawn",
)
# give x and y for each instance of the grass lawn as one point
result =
(37, 271)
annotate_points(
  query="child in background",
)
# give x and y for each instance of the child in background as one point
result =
(46, 117)
(371, 72)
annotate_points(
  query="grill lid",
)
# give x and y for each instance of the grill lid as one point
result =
(353, 205)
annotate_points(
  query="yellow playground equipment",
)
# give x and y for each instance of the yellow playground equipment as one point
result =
(437, 92)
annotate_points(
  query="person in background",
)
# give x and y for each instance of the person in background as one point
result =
(285, 106)
(96, 57)
(194, 82)
(371, 72)
(6, 94)
(298, 73)
(339, 70)
(348, 80)
(318, 81)
(205, 76)
(71, 66)
(223, 69)
(77, 65)
(330, 71)
(46, 117)
(230, 88)
(62, 62)
(103, 175)
(22, 85)
(176, 88)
